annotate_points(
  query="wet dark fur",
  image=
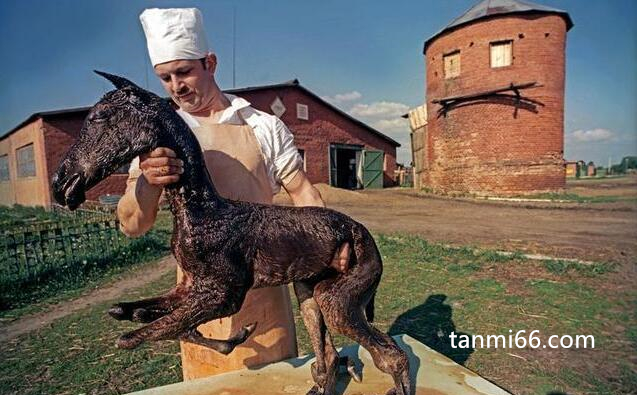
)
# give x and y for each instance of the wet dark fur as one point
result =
(227, 247)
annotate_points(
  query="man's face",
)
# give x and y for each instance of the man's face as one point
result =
(189, 84)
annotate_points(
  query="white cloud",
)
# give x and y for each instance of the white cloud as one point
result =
(386, 118)
(379, 110)
(391, 125)
(343, 97)
(593, 135)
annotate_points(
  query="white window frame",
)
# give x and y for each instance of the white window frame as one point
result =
(451, 70)
(5, 176)
(501, 53)
(21, 162)
(302, 111)
(302, 153)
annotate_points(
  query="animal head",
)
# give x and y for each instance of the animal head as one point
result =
(121, 126)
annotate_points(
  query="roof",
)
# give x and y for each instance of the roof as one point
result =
(296, 84)
(490, 8)
(288, 84)
(44, 114)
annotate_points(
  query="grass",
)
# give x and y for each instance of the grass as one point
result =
(562, 267)
(427, 291)
(67, 282)
(575, 198)
(20, 215)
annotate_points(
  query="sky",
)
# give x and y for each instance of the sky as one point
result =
(364, 57)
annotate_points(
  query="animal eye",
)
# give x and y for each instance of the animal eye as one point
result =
(97, 116)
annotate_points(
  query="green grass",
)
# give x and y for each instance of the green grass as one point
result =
(427, 291)
(20, 215)
(77, 355)
(563, 267)
(65, 282)
(573, 197)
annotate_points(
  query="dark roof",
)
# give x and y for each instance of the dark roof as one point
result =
(292, 83)
(490, 8)
(296, 84)
(45, 114)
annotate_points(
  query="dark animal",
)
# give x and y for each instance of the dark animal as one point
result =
(226, 247)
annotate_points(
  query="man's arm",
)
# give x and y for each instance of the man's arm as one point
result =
(303, 192)
(137, 209)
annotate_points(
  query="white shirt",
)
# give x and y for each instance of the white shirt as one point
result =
(281, 158)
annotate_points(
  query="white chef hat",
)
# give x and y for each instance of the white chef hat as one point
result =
(174, 34)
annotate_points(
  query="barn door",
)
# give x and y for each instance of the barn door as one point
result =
(373, 169)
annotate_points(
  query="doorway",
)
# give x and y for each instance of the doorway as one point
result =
(345, 166)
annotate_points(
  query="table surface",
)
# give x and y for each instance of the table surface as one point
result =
(432, 373)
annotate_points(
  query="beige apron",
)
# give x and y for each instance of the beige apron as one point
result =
(234, 160)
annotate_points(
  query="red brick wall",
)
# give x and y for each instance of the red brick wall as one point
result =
(482, 147)
(59, 134)
(323, 127)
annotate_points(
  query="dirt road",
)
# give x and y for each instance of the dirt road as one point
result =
(588, 231)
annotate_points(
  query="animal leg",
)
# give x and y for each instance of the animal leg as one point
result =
(223, 346)
(148, 310)
(195, 310)
(387, 356)
(326, 366)
(343, 301)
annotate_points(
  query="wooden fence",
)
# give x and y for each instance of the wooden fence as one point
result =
(29, 251)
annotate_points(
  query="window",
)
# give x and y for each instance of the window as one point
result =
(302, 111)
(302, 153)
(26, 161)
(277, 107)
(4, 168)
(501, 53)
(452, 64)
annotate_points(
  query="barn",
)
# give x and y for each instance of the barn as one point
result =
(495, 102)
(337, 149)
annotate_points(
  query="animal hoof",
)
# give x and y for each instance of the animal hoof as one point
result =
(401, 389)
(128, 342)
(351, 369)
(316, 390)
(118, 312)
(249, 329)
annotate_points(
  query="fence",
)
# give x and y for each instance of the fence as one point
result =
(27, 252)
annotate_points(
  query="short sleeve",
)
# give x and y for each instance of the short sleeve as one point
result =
(286, 159)
(133, 172)
(281, 158)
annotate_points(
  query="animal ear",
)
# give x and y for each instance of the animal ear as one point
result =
(119, 82)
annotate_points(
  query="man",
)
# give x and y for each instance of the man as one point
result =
(249, 154)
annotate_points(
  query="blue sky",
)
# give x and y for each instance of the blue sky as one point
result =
(365, 57)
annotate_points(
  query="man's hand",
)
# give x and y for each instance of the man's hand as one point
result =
(161, 167)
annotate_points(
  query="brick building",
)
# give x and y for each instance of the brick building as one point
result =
(495, 101)
(337, 148)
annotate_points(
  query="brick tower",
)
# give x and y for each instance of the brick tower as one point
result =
(495, 101)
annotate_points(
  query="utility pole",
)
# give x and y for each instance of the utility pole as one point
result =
(234, 45)
(146, 72)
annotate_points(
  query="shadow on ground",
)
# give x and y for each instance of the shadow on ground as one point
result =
(431, 323)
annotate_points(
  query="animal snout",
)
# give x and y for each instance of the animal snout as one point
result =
(68, 189)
